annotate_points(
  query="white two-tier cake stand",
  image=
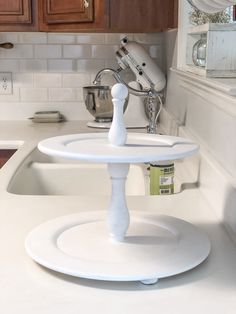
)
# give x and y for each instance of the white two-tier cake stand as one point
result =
(115, 246)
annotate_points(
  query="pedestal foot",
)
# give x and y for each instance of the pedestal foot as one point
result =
(151, 281)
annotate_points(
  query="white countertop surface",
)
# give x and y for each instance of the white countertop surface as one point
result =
(29, 131)
(28, 288)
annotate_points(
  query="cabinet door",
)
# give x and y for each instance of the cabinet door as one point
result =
(73, 15)
(60, 11)
(16, 15)
(143, 16)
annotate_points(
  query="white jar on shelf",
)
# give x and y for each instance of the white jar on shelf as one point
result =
(199, 52)
(211, 50)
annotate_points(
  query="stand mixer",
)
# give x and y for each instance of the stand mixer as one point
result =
(150, 80)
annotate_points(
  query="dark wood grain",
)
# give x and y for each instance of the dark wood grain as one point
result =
(142, 16)
(5, 154)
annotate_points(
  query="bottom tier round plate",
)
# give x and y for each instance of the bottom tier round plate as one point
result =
(154, 247)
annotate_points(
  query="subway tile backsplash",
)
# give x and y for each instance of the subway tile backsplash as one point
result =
(50, 70)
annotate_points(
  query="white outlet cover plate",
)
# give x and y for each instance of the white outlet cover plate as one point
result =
(5, 83)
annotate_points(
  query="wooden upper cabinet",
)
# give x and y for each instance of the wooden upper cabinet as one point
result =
(17, 15)
(143, 16)
(88, 15)
(73, 15)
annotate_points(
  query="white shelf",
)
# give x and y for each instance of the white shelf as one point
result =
(219, 52)
(199, 29)
(224, 85)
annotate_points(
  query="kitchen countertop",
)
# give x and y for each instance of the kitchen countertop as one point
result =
(29, 131)
(29, 288)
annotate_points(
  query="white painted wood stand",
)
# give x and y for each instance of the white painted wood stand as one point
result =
(142, 247)
(220, 50)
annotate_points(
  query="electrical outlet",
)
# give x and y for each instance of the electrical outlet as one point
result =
(5, 83)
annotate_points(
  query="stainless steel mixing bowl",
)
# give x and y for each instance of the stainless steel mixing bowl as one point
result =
(98, 101)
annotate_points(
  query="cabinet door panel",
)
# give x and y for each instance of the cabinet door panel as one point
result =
(59, 7)
(72, 11)
(15, 11)
(142, 16)
(73, 15)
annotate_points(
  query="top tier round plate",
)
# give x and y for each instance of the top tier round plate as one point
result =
(139, 147)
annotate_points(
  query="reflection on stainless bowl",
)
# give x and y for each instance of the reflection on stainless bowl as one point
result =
(98, 101)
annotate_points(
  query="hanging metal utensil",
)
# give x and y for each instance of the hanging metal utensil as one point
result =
(6, 45)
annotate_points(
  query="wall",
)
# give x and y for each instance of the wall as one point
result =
(49, 70)
(209, 117)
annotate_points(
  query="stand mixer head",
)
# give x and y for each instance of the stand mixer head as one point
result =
(133, 56)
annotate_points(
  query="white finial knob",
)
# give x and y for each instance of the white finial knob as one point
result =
(119, 91)
(117, 134)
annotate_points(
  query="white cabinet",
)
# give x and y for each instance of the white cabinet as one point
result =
(220, 52)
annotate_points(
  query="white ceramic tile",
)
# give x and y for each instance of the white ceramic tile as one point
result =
(13, 112)
(73, 110)
(76, 80)
(150, 38)
(33, 65)
(11, 98)
(9, 37)
(114, 39)
(33, 94)
(83, 112)
(107, 79)
(62, 38)
(79, 94)
(51, 69)
(76, 51)
(62, 65)
(90, 65)
(22, 79)
(155, 51)
(92, 77)
(91, 38)
(213, 127)
(48, 51)
(32, 38)
(24, 110)
(10, 65)
(62, 94)
(111, 63)
(104, 51)
(47, 80)
(17, 52)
